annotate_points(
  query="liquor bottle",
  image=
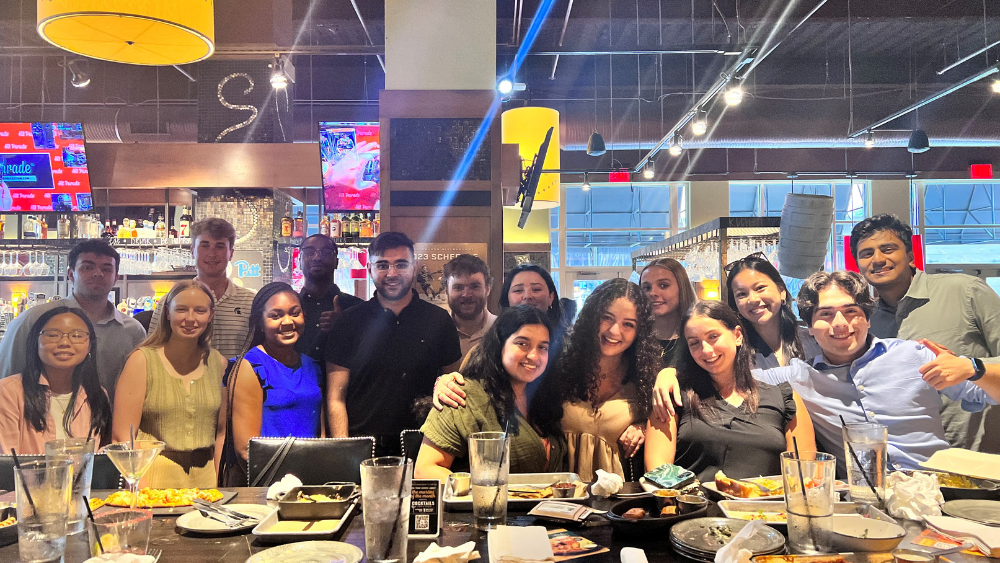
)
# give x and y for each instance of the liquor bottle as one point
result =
(28, 227)
(123, 231)
(172, 232)
(366, 227)
(336, 227)
(324, 225)
(161, 227)
(355, 226)
(44, 228)
(133, 232)
(286, 223)
(62, 227)
(298, 226)
(184, 225)
(114, 228)
(107, 233)
(148, 223)
(377, 224)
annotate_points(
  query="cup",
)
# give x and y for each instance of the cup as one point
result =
(460, 483)
(489, 463)
(870, 442)
(665, 497)
(385, 498)
(42, 490)
(691, 503)
(120, 531)
(81, 452)
(810, 510)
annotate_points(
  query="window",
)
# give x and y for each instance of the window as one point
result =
(960, 222)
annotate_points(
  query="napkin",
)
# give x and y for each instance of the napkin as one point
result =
(633, 555)
(733, 552)
(121, 558)
(519, 544)
(281, 488)
(913, 496)
(981, 535)
(438, 554)
(607, 484)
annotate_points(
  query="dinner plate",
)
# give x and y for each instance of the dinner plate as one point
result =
(695, 535)
(194, 522)
(271, 528)
(309, 551)
(542, 480)
(753, 509)
(715, 494)
(982, 511)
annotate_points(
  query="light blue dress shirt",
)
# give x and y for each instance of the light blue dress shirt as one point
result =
(884, 385)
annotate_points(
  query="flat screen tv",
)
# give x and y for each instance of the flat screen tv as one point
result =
(43, 167)
(349, 155)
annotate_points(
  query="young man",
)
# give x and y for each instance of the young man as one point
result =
(385, 353)
(322, 301)
(467, 280)
(957, 311)
(212, 242)
(93, 271)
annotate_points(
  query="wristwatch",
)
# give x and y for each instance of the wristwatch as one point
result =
(980, 369)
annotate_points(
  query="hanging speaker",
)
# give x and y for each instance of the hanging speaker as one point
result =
(806, 223)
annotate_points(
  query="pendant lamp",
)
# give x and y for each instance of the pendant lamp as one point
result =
(595, 146)
(918, 141)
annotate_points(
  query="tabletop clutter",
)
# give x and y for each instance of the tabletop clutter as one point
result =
(952, 504)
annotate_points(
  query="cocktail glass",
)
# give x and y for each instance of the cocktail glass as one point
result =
(133, 459)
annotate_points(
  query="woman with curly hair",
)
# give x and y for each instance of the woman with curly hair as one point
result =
(513, 353)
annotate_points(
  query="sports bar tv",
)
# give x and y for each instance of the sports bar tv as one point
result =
(43, 167)
(349, 153)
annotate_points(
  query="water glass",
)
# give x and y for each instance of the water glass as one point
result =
(43, 490)
(120, 531)
(80, 451)
(870, 443)
(385, 498)
(489, 462)
(808, 480)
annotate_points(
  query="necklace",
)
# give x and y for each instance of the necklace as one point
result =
(288, 263)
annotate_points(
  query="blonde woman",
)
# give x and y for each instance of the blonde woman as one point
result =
(171, 389)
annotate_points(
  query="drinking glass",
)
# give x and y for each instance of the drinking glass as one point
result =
(133, 459)
(43, 494)
(489, 462)
(80, 451)
(15, 267)
(870, 442)
(120, 531)
(810, 511)
(385, 497)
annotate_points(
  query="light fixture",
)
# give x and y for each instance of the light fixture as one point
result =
(675, 146)
(282, 72)
(918, 141)
(734, 95)
(505, 86)
(793, 175)
(870, 139)
(595, 146)
(699, 125)
(80, 79)
(996, 86)
(649, 172)
(586, 183)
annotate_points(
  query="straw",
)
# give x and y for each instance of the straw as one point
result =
(27, 493)
(802, 483)
(131, 437)
(503, 455)
(86, 502)
(860, 468)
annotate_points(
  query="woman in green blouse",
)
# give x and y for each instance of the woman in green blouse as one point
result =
(513, 353)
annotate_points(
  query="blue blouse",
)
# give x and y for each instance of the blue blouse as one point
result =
(292, 396)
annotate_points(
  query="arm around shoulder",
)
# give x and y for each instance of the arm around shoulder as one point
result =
(130, 394)
(661, 442)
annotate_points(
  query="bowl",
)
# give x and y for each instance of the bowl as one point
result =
(853, 533)
(563, 490)
(461, 483)
(291, 509)
(985, 490)
(651, 523)
(689, 504)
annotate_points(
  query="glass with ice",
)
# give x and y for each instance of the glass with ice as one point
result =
(43, 495)
(385, 497)
(869, 442)
(489, 463)
(81, 452)
(808, 480)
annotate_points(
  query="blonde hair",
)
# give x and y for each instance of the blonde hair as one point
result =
(686, 297)
(164, 332)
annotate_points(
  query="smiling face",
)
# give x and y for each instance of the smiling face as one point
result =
(467, 295)
(211, 255)
(839, 326)
(758, 297)
(529, 288)
(884, 261)
(526, 353)
(660, 287)
(190, 312)
(618, 327)
(64, 342)
(712, 344)
(283, 320)
(392, 273)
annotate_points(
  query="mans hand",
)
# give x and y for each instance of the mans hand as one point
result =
(946, 369)
(666, 387)
(327, 318)
(632, 439)
(448, 391)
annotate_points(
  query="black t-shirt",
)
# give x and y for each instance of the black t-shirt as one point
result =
(670, 352)
(740, 444)
(393, 361)
(313, 341)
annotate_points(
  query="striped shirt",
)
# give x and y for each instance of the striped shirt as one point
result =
(232, 320)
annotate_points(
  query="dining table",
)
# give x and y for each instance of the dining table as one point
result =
(181, 546)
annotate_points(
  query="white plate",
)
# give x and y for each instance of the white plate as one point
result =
(309, 551)
(194, 522)
(264, 529)
(745, 509)
(710, 487)
(533, 479)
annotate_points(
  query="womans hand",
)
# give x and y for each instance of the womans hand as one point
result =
(632, 439)
(448, 391)
(665, 388)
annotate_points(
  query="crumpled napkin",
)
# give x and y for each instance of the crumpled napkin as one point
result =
(438, 554)
(733, 552)
(607, 484)
(278, 490)
(121, 558)
(913, 496)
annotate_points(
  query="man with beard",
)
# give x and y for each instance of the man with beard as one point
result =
(385, 353)
(467, 280)
(322, 301)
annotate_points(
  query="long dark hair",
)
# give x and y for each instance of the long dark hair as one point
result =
(255, 334)
(791, 347)
(696, 383)
(555, 309)
(485, 365)
(36, 404)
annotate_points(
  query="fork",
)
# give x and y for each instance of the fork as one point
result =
(228, 521)
(155, 553)
(759, 486)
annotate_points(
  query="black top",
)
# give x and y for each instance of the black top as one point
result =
(670, 352)
(313, 341)
(393, 361)
(740, 444)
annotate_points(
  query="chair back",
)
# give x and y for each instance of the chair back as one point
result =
(410, 441)
(106, 475)
(313, 460)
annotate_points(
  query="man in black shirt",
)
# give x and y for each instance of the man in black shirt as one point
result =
(385, 353)
(322, 301)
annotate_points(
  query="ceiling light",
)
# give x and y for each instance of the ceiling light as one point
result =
(870, 139)
(80, 79)
(595, 146)
(675, 146)
(648, 172)
(699, 125)
(918, 141)
(282, 72)
(996, 86)
(734, 95)
(586, 183)
(505, 86)
(278, 81)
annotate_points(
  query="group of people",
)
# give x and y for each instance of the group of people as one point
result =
(641, 369)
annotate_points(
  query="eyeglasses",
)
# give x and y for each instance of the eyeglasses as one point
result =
(398, 266)
(749, 257)
(324, 252)
(56, 336)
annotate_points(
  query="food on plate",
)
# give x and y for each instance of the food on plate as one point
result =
(96, 503)
(746, 490)
(668, 511)
(634, 514)
(529, 492)
(721, 534)
(872, 558)
(8, 522)
(163, 498)
(955, 481)
(302, 497)
(774, 517)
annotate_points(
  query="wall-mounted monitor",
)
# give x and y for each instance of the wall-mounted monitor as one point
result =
(349, 154)
(43, 167)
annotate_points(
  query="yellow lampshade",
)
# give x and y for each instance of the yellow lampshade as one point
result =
(527, 127)
(141, 32)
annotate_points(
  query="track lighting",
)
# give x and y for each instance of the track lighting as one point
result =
(79, 79)
(282, 72)
(870, 139)
(586, 183)
(996, 86)
(505, 86)
(649, 172)
(699, 125)
(675, 146)
(734, 95)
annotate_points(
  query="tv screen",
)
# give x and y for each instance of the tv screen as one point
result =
(349, 154)
(43, 167)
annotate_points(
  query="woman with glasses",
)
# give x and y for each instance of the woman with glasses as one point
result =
(59, 394)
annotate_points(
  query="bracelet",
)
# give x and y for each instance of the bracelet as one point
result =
(979, 367)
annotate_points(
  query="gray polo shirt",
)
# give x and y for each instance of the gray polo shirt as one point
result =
(231, 323)
(959, 312)
(117, 336)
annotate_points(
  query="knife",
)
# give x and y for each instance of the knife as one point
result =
(223, 510)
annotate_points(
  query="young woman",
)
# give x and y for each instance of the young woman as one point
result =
(665, 283)
(728, 420)
(171, 389)
(514, 352)
(277, 390)
(59, 394)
